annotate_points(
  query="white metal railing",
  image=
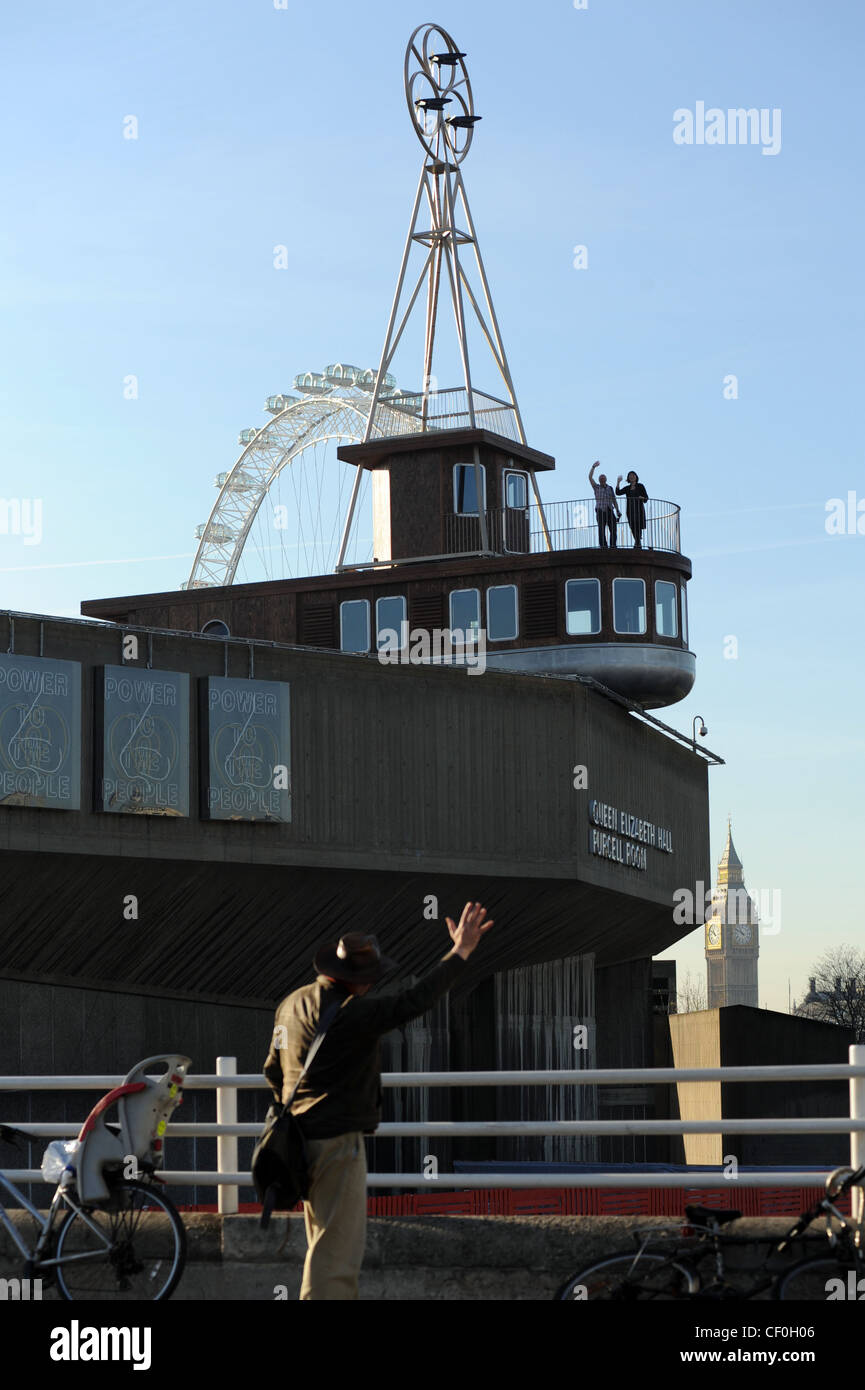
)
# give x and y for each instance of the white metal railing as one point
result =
(227, 1082)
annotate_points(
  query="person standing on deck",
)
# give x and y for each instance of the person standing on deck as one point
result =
(606, 507)
(637, 497)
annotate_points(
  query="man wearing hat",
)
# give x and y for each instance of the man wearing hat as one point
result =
(340, 1100)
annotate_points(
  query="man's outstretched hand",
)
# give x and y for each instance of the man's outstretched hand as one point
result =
(470, 930)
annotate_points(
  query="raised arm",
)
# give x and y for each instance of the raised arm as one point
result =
(470, 930)
(392, 1011)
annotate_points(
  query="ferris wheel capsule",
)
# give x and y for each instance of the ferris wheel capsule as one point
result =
(213, 531)
(312, 383)
(340, 374)
(246, 436)
(235, 480)
(276, 404)
(367, 379)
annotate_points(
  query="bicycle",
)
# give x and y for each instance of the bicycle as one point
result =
(671, 1265)
(109, 1234)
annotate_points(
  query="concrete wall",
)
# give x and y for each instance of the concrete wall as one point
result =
(395, 764)
(51, 1029)
(739, 1036)
(753, 1037)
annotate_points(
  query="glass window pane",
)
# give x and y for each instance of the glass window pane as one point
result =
(666, 618)
(465, 491)
(629, 605)
(465, 614)
(354, 625)
(684, 614)
(582, 606)
(389, 617)
(516, 490)
(502, 612)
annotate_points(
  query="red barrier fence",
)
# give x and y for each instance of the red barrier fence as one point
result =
(591, 1201)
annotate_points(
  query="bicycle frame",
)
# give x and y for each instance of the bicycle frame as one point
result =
(703, 1242)
(46, 1226)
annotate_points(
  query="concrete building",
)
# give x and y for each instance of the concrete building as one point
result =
(738, 1036)
(142, 913)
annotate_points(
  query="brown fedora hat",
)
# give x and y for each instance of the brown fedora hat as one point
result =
(355, 957)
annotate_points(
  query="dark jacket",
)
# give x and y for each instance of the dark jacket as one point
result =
(342, 1092)
(637, 498)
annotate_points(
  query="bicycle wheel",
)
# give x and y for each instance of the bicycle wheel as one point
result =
(818, 1281)
(626, 1278)
(137, 1251)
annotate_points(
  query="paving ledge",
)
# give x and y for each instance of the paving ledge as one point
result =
(433, 1258)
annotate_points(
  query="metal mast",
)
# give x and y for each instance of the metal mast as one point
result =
(436, 79)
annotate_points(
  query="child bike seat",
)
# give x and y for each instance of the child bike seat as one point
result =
(144, 1105)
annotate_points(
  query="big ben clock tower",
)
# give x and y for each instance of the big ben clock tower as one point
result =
(732, 936)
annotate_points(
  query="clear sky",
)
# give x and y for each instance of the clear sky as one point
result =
(260, 126)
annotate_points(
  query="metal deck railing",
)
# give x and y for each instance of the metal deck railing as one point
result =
(227, 1179)
(569, 526)
(408, 413)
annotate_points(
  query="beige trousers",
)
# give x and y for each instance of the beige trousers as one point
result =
(335, 1216)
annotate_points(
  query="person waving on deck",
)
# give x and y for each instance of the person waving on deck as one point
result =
(606, 507)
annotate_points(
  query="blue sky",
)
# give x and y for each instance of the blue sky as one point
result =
(261, 126)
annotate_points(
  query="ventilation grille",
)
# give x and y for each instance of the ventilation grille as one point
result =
(539, 610)
(427, 611)
(318, 625)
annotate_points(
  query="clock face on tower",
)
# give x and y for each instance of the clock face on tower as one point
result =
(713, 935)
(742, 934)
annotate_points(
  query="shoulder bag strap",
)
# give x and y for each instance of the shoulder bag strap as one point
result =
(324, 1023)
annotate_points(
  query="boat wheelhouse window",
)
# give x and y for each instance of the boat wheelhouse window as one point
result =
(582, 606)
(666, 617)
(390, 614)
(502, 622)
(354, 625)
(465, 489)
(684, 614)
(516, 489)
(465, 615)
(629, 605)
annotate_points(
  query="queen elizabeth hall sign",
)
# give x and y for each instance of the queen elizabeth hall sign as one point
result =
(246, 749)
(40, 732)
(624, 837)
(142, 741)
